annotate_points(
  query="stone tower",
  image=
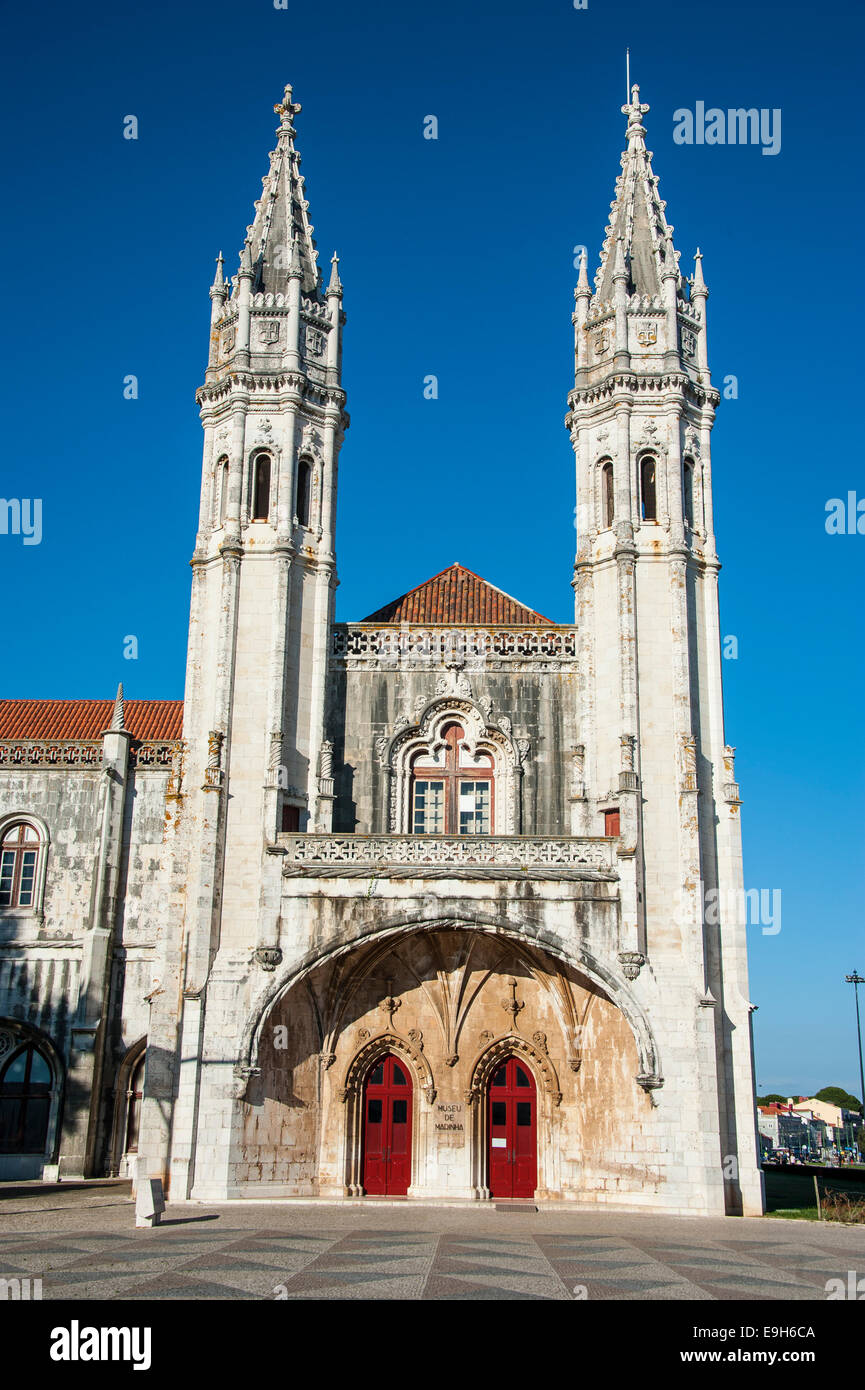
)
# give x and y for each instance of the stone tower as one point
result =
(651, 731)
(264, 574)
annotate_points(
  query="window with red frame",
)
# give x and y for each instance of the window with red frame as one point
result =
(452, 790)
(19, 864)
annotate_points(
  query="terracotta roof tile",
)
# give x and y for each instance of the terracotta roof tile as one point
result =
(457, 595)
(83, 719)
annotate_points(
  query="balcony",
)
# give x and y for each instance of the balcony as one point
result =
(447, 856)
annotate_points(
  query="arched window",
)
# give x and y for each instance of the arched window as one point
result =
(452, 790)
(688, 492)
(304, 477)
(25, 1102)
(647, 489)
(20, 865)
(261, 488)
(607, 494)
(221, 490)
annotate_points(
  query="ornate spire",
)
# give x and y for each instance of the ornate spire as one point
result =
(335, 284)
(280, 238)
(219, 279)
(117, 724)
(583, 287)
(698, 284)
(637, 218)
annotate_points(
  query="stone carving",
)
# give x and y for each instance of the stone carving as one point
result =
(494, 1052)
(268, 331)
(731, 786)
(513, 1005)
(647, 334)
(540, 1040)
(7, 1042)
(692, 441)
(327, 1060)
(415, 1037)
(213, 772)
(486, 705)
(523, 745)
(381, 744)
(368, 851)
(538, 649)
(688, 746)
(578, 759)
(628, 742)
(268, 957)
(175, 781)
(325, 760)
(632, 963)
(689, 343)
(506, 726)
(379, 1046)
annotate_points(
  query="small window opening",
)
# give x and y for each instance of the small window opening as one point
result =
(612, 823)
(647, 489)
(688, 493)
(261, 490)
(609, 502)
(304, 470)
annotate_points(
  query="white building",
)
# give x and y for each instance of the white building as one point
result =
(418, 898)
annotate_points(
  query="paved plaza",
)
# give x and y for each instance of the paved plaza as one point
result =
(83, 1244)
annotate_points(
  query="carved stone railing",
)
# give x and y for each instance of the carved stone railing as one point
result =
(452, 852)
(373, 644)
(85, 753)
(51, 753)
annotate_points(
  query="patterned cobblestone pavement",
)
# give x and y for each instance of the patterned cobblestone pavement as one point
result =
(83, 1245)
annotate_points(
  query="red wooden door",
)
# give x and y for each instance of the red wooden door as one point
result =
(513, 1131)
(387, 1096)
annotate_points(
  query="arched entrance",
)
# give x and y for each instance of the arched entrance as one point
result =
(387, 1112)
(512, 1131)
(29, 1102)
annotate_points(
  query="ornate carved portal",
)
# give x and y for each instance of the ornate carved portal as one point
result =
(450, 1003)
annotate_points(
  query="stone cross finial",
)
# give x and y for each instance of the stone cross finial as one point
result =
(287, 108)
(635, 110)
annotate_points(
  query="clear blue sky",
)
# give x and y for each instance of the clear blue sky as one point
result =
(457, 260)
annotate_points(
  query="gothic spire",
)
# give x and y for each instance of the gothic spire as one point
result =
(118, 713)
(637, 218)
(280, 238)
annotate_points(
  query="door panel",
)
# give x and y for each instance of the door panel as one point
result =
(387, 1104)
(513, 1144)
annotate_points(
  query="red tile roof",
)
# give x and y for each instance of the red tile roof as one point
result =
(457, 595)
(82, 719)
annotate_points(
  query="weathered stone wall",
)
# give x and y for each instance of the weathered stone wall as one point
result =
(365, 705)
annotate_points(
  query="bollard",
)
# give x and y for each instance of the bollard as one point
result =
(149, 1202)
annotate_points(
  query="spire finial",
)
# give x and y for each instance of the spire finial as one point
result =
(219, 278)
(117, 724)
(698, 284)
(335, 284)
(286, 109)
(583, 286)
(635, 110)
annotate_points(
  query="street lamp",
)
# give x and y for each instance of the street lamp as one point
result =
(856, 980)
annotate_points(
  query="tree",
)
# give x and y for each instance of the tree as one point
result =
(767, 1100)
(834, 1095)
